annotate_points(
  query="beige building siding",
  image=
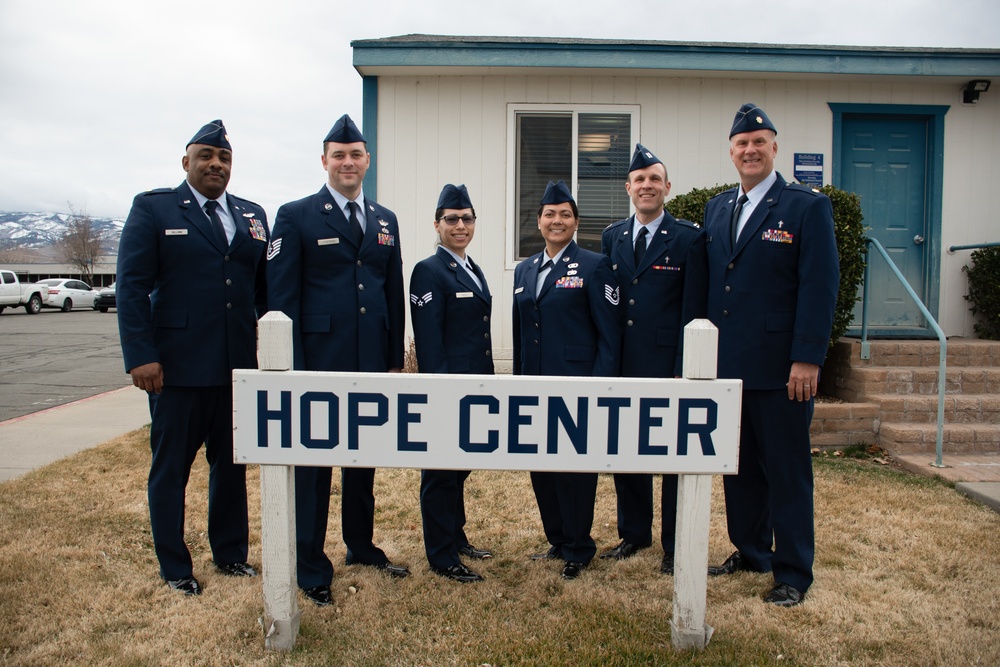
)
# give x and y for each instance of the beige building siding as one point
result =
(971, 186)
(453, 129)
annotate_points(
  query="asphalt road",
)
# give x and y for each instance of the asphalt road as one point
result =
(54, 358)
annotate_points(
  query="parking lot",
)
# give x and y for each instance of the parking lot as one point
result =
(54, 358)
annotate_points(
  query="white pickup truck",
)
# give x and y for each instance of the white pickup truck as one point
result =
(14, 293)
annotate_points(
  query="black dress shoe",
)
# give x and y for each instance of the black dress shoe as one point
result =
(186, 585)
(459, 573)
(624, 550)
(783, 595)
(319, 595)
(472, 552)
(236, 570)
(554, 553)
(395, 571)
(667, 564)
(572, 569)
(733, 564)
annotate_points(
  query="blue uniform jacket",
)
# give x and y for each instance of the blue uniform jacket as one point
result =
(572, 328)
(336, 295)
(773, 296)
(183, 299)
(451, 317)
(661, 296)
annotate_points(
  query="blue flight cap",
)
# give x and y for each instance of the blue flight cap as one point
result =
(557, 193)
(345, 132)
(212, 134)
(642, 158)
(751, 118)
(454, 196)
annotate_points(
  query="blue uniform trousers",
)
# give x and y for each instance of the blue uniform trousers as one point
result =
(442, 506)
(635, 509)
(769, 504)
(182, 419)
(312, 510)
(566, 504)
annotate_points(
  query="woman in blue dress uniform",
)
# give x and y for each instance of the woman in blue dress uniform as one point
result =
(565, 323)
(451, 306)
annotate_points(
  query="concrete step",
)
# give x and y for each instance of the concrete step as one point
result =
(922, 409)
(900, 438)
(859, 384)
(962, 352)
(844, 424)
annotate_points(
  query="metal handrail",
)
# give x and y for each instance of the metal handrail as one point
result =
(974, 246)
(866, 347)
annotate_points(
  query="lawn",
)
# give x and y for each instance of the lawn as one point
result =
(907, 573)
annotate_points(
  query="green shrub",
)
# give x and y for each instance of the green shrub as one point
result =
(984, 291)
(691, 206)
(848, 228)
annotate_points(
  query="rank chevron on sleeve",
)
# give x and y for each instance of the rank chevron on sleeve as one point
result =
(273, 248)
(420, 301)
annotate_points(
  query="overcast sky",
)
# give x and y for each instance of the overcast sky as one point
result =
(99, 97)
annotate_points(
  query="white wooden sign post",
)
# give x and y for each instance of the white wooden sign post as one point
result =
(694, 498)
(285, 418)
(277, 508)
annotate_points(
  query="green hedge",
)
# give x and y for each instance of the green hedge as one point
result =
(984, 291)
(848, 227)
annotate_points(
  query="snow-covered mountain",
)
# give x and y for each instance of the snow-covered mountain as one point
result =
(43, 230)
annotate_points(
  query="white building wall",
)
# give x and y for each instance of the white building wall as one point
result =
(452, 129)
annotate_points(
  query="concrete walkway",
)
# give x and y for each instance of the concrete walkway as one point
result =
(40, 438)
(974, 475)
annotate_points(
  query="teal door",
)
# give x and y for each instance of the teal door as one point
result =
(885, 161)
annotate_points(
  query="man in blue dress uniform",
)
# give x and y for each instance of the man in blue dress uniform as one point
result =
(191, 285)
(335, 267)
(565, 323)
(450, 307)
(662, 267)
(774, 276)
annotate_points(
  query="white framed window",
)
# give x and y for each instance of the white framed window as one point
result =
(588, 147)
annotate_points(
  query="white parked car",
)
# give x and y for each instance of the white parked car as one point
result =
(67, 294)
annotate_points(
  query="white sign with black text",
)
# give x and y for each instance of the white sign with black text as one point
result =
(486, 422)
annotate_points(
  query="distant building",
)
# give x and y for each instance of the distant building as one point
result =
(104, 271)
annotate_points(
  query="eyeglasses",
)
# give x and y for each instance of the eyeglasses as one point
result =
(452, 220)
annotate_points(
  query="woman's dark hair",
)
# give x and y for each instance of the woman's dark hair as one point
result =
(576, 211)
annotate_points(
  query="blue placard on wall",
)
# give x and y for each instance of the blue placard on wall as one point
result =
(809, 169)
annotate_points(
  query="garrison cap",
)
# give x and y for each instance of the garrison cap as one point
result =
(557, 193)
(642, 158)
(344, 131)
(751, 118)
(212, 134)
(454, 196)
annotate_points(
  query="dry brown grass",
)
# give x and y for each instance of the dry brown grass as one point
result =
(907, 573)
